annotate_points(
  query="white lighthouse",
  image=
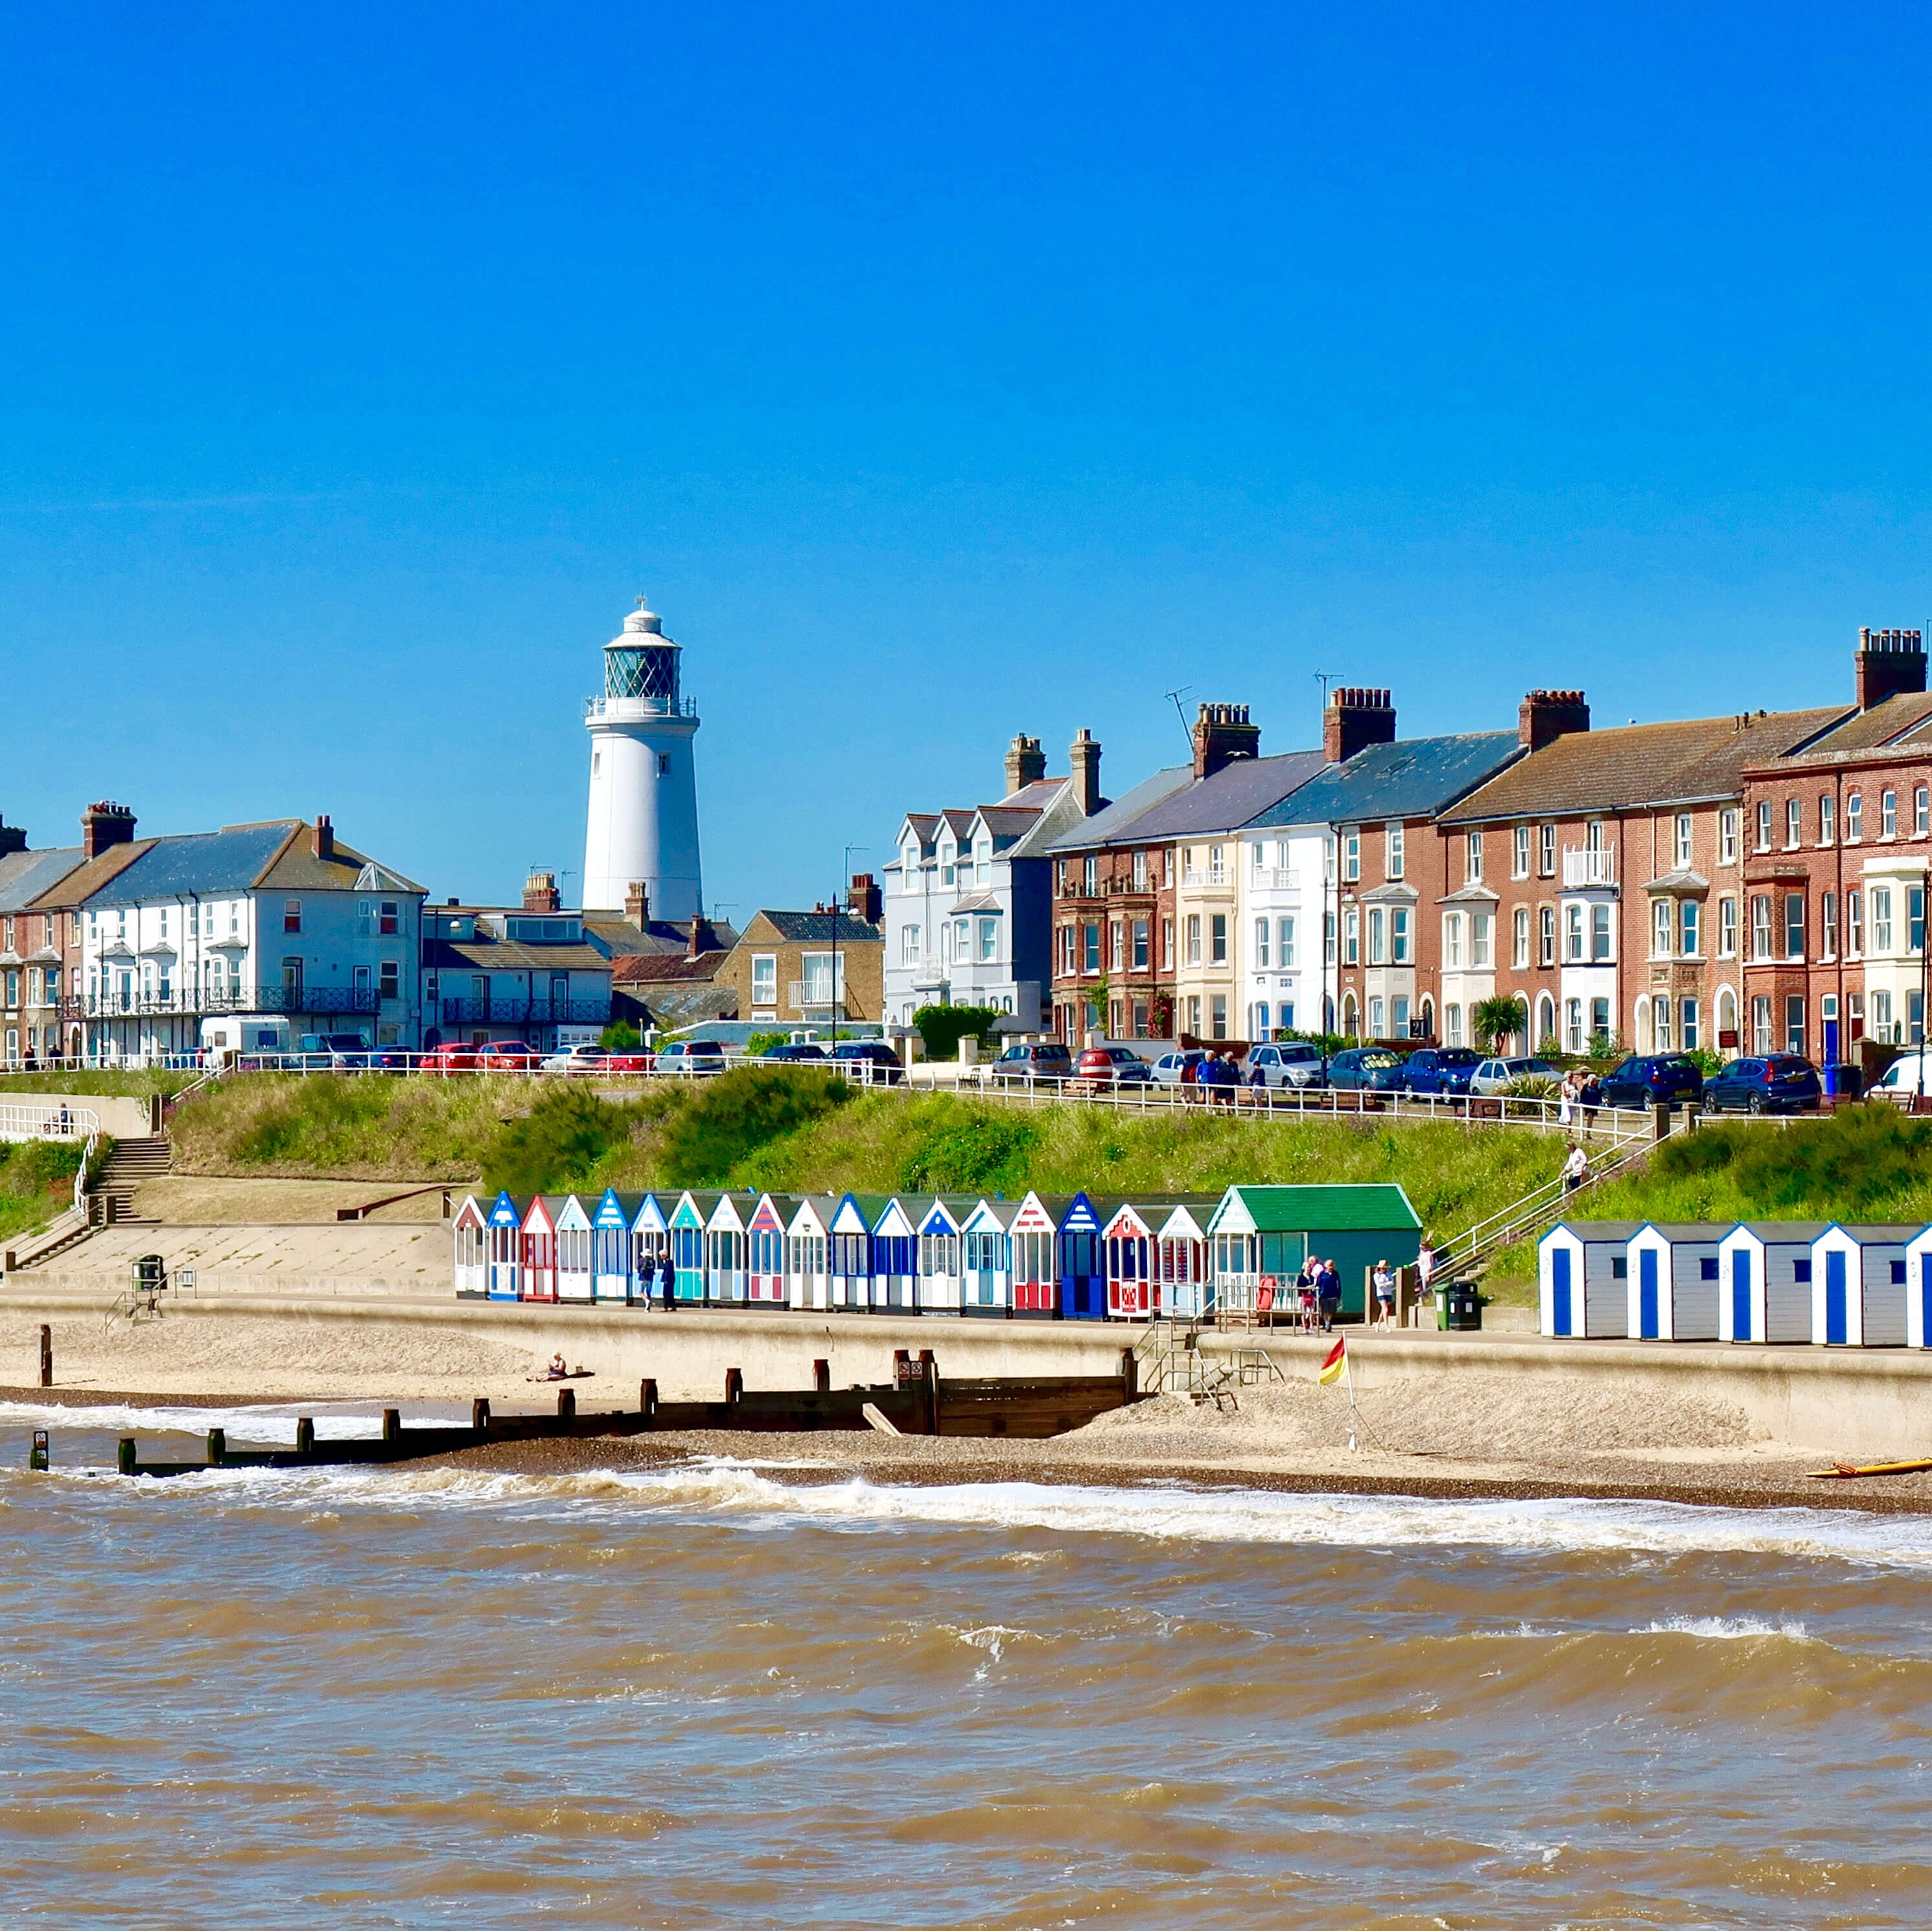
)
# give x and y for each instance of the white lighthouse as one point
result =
(643, 827)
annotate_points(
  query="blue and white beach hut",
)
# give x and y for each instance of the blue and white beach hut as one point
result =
(1858, 1285)
(895, 1259)
(724, 1281)
(1083, 1262)
(686, 1228)
(987, 1242)
(1918, 1290)
(574, 1282)
(1764, 1274)
(1673, 1283)
(470, 1231)
(807, 1261)
(506, 1247)
(850, 1250)
(611, 1276)
(650, 1248)
(1581, 1267)
(1181, 1246)
(941, 1268)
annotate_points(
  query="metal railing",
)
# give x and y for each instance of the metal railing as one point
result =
(22, 1121)
(511, 1009)
(1585, 867)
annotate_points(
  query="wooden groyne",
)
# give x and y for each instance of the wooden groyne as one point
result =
(916, 1401)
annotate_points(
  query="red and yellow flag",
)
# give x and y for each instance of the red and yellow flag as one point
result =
(1336, 1365)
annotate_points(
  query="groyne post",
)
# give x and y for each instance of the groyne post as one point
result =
(218, 1447)
(124, 1456)
(647, 1398)
(479, 1414)
(47, 1356)
(392, 1425)
(821, 1377)
(1130, 1374)
(566, 1404)
(304, 1434)
(734, 1386)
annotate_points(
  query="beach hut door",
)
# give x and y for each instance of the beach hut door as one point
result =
(1646, 1285)
(1834, 1300)
(1740, 1272)
(1925, 1299)
(1559, 1292)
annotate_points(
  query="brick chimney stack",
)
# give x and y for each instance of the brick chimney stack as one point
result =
(322, 840)
(540, 893)
(1026, 764)
(103, 826)
(703, 939)
(865, 900)
(1085, 755)
(12, 839)
(637, 904)
(1355, 718)
(1222, 734)
(1889, 662)
(1547, 716)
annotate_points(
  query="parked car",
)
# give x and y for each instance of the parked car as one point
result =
(1908, 1077)
(886, 1070)
(793, 1051)
(1437, 1070)
(1292, 1062)
(453, 1056)
(1045, 1059)
(509, 1056)
(388, 1059)
(1112, 1066)
(338, 1052)
(1166, 1069)
(1355, 1067)
(1783, 1083)
(1494, 1076)
(691, 1056)
(1662, 1079)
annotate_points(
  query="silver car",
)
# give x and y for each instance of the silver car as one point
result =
(1294, 1062)
(1493, 1075)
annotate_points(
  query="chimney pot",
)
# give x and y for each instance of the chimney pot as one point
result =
(322, 840)
(540, 893)
(1026, 763)
(865, 900)
(104, 825)
(1356, 718)
(1085, 755)
(1222, 735)
(1889, 663)
(12, 839)
(638, 903)
(1547, 716)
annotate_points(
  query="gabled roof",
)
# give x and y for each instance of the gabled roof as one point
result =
(277, 856)
(24, 876)
(622, 938)
(1788, 1233)
(1114, 823)
(1898, 718)
(1035, 796)
(1237, 795)
(1374, 1207)
(815, 928)
(1679, 762)
(1595, 1230)
(646, 969)
(1414, 778)
(508, 955)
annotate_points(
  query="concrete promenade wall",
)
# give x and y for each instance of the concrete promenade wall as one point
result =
(1843, 1402)
(122, 1117)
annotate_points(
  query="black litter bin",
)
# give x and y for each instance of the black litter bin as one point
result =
(1844, 1082)
(1463, 1307)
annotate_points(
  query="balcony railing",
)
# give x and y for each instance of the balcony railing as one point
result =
(1276, 878)
(184, 1002)
(511, 1009)
(814, 995)
(1204, 875)
(1588, 867)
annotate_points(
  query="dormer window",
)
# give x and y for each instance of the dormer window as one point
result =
(948, 871)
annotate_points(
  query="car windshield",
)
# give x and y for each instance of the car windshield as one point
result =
(1456, 1056)
(1378, 1060)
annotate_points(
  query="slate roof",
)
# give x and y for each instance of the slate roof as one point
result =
(1788, 1231)
(1680, 762)
(276, 856)
(666, 968)
(1237, 795)
(92, 874)
(1111, 824)
(24, 876)
(1898, 718)
(1414, 778)
(816, 928)
(508, 955)
(619, 939)
(1035, 796)
(676, 1007)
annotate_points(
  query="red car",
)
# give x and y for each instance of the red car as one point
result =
(1110, 1066)
(455, 1055)
(507, 1056)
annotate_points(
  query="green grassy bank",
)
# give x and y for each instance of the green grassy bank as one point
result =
(36, 1184)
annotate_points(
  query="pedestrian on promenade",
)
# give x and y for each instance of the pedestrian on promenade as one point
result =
(1383, 1280)
(1307, 1291)
(1590, 1098)
(1575, 1168)
(1566, 1100)
(1190, 1079)
(668, 1275)
(1328, 1293)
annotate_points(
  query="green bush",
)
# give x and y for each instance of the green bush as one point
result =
(942, 1028)
(559, 1145)
(760, 1043)
(728, 1119)
(620, 1037)
(1860, 1163)
(988, 1150)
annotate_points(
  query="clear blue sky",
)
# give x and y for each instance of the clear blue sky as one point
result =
(939, 374)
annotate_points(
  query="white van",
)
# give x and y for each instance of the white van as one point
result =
(251, 1036)
(1904, 1079)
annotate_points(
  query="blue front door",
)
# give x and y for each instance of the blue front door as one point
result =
(1559, 1292)
(1834, 1300)
(1741, 1296)
(1646, 1290)
(1925, 1299)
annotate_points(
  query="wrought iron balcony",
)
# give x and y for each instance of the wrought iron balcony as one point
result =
(521, 1010)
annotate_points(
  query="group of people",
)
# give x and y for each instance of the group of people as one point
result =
(1317, 1294)
(1579, 1091)
(1215, 1080)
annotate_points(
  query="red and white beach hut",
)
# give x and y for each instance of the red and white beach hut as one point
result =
(537, 1281)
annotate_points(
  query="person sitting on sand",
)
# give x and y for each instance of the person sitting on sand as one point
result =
(560, 1369)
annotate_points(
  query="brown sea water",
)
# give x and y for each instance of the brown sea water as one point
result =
(730, 1696)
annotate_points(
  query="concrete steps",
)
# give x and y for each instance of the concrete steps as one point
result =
(131, 1163)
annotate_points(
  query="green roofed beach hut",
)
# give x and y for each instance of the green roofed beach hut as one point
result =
(1259, 1236)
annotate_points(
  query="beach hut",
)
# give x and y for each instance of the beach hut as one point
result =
(505, 1224)
(1764, 1281)
(849, 1251)
(610, 1247)
(470, 1231)
(765, 1250)
(538, 1279)
(650, 1248)
(724, 1250)
(1671, 1285)
(808, 1236)
(686, 1228)
(895, 1259)
(1259, 1236)
(1181, 1261)
(1082, 1260)
(986, 1242)
(1129, 1247)
(1034, 1273)
(1918, 1290)
(941, 1268)
(1858, 1285)
(1580, 1268)
(573, 1278)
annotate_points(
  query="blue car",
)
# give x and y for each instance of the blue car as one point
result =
(1354, 1068)
(1439, 1069)
(1663, 1079)
(1783, 1083)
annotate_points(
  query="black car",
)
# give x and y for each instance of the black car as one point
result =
(799, 1050)
(1783, 1083)
(1663, 1079)
(886, 1070)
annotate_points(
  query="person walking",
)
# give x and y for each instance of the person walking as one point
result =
(1566, 1099)
(1575, 1168)
(1383, 1280)
(667, 1275)
(1589, 1099)
(1328, 1293)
